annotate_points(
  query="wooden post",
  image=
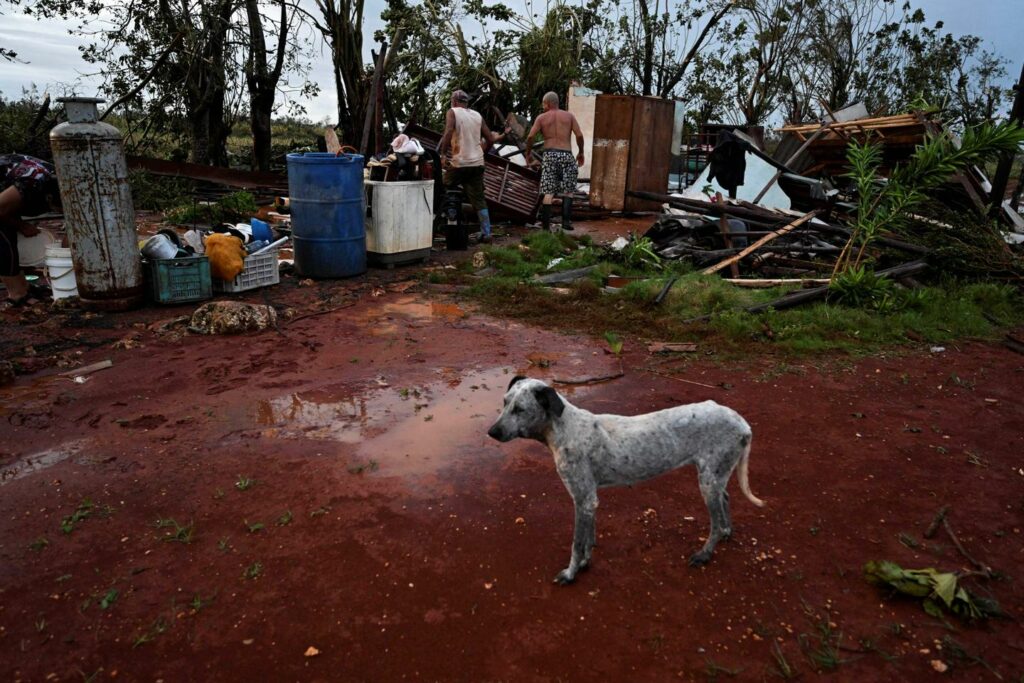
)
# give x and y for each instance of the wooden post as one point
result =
(371, 100)
(723, 227)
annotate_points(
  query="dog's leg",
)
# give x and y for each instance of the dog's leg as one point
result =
(583, 537)
(715, 497)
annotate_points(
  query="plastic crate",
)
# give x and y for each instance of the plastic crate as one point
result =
(257, 271)
(177, 280)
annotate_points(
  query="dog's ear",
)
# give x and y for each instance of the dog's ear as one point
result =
(549, 400)
(517, 378)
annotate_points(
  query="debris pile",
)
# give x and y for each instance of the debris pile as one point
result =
(851, 193)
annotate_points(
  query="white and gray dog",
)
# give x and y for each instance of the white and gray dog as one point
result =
(593, 451)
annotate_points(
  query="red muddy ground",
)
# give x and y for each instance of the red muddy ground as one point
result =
(418, 549)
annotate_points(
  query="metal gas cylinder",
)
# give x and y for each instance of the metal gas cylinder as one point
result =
(98, 212)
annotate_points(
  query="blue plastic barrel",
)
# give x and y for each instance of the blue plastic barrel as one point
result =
(327, 203)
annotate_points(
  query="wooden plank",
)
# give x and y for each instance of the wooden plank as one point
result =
(761, 242)
(88, 369)
(767, 283)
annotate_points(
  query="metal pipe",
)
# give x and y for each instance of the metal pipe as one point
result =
(269, 246)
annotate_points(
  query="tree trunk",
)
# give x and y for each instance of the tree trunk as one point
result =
(206, 91)
(262, 137)
(262, 81)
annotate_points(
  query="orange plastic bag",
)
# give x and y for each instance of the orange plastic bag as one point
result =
(225, 253)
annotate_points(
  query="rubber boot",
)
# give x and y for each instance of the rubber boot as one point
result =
(545, 217)
(566, 213)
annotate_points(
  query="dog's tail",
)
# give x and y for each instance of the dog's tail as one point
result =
(744, 478)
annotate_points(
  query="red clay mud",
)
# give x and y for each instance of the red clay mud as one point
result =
(344, 496)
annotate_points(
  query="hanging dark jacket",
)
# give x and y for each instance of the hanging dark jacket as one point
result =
(728, 161)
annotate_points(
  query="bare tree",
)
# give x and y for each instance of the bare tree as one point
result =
(341, 23)
(658, 45)
(762, 66)
(262, 78)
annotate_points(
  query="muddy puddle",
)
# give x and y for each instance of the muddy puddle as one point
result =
(384, 320)
(36, 462)
(394, 430)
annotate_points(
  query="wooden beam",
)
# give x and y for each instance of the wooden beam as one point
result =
(764, 284)
(764, 240)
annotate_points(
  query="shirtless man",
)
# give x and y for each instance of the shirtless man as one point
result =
(558, 169)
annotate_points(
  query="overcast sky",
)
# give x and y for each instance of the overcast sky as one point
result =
(52, 61)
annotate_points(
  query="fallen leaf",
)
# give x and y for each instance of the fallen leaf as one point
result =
(311, 652)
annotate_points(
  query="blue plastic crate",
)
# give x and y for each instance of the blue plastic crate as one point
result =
(177, 280)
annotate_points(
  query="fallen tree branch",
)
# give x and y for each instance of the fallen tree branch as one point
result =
(985, 569)
(1013, 344)
(678, 379)
(323, 312)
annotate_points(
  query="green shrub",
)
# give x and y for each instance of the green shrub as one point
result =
(232, 208)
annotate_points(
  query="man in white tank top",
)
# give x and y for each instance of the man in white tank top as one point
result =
(469, 138)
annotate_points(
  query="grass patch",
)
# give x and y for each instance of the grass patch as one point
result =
(938, 314)
(372, 465)
(180, 533)
(108, 600)
(822, 648)
(780, 664)
(232, 208)
(198, 602)
(85, 510)
(156, 629)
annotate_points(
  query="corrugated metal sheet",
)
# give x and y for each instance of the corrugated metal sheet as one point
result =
(609, 169)
(510, 189)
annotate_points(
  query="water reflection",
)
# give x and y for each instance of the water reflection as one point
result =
(401, 429)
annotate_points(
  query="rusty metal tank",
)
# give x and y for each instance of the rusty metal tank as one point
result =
(98, 212)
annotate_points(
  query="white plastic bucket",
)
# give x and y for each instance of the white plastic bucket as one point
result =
(60, 271)
(32, 250)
